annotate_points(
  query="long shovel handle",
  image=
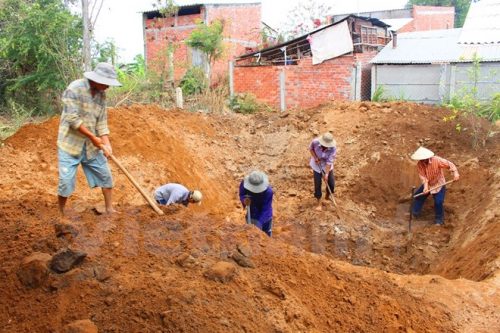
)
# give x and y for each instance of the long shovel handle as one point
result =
(136, 184)
(433, 188)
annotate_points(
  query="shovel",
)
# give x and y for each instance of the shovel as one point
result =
(134, 182)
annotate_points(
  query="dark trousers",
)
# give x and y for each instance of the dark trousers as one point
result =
(418, 204)
(267, 226)
(318, 181)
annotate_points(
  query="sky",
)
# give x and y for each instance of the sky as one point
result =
(121, 20)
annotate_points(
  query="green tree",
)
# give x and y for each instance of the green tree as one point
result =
(40, 52)
(166, 7)
(105, 52)
(209, 40)
(461, 7)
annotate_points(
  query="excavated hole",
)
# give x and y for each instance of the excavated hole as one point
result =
(370, 226)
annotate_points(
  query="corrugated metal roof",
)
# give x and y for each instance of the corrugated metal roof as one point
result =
(435, 46)
(398, 23)
(184, 3)
(374, 21)
(482, 24)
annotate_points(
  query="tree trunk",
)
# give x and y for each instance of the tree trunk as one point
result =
(86, 36)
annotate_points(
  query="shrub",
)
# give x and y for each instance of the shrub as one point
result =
(491, 110)
(193, 82)
(18, 115)
(470, 113)
(244, 103)
(378, 95)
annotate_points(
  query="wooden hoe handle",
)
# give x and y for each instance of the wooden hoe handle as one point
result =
(433, 188)
(136, 185)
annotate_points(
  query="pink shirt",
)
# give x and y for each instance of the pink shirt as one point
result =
(432, 172)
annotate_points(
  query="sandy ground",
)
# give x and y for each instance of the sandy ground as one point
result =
(353, 268)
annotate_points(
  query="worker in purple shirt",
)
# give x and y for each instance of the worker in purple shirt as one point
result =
(257, 195)
(323, 152)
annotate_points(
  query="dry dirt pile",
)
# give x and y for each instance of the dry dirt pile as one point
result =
(201, 269)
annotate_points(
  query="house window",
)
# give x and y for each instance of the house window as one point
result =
(197, 58)
(368, 35)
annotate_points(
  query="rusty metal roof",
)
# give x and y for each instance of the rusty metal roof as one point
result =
(300, 39)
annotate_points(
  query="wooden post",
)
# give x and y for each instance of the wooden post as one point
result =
(179, 100)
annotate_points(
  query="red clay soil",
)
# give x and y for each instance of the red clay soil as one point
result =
(201, 269)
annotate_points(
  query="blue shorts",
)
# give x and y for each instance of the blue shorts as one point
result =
(96, 171)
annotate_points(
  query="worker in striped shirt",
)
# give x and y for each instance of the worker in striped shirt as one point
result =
(430, 170)
(83, 133)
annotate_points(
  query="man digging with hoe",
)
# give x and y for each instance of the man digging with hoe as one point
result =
(323, 152)
(83, 132)
(430, 170)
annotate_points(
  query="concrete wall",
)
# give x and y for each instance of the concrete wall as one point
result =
(435, 84)
(488, 83)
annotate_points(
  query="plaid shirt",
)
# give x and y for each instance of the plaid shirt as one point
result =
(80, 108)
(432, 172)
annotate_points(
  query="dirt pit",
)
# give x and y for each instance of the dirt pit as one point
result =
(354, 268)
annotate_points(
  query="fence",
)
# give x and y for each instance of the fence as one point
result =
(436, 83)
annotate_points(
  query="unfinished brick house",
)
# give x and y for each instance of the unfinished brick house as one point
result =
(165, 36)
(329, 63)
(415, 18)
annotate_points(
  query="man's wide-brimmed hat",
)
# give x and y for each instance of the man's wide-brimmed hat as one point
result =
(327, 140)
(256, 182)
(422, 154)
(196, 196)
(103, 73)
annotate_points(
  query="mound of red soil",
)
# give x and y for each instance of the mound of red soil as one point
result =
(201, 268)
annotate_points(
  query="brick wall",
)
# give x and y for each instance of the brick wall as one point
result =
(241, 29)
(307, 85)
(262, 81)
(430, 18)
(162, 31)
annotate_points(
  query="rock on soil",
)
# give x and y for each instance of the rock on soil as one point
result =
(245, 250)
(66, 259)
(81, 326)
(222, 272)
(242, 260)
(34, 271)
(65, 229)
